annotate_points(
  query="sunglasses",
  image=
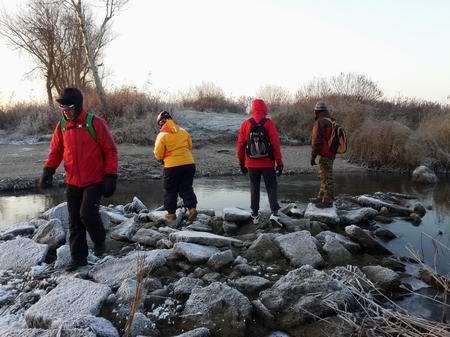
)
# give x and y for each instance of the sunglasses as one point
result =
(66, 107)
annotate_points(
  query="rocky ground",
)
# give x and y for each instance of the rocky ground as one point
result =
(322, 273)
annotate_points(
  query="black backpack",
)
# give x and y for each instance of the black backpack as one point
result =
(258, 145)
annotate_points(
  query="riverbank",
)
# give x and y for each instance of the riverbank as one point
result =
(323, 272)
(21, 165)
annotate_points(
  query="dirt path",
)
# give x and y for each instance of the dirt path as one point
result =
(21, 165)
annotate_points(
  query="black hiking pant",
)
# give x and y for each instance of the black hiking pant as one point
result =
(270, 180)
(178, 180)
(83, 205)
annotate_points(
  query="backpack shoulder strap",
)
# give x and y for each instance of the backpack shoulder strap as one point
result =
(62, 124)
(90, 125)
(263, 120)
(252, 121)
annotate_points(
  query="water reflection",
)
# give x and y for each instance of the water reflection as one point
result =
(217, 193)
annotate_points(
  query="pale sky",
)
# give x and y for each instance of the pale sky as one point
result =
(241, 45)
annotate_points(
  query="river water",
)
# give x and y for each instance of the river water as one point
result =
(430, 239)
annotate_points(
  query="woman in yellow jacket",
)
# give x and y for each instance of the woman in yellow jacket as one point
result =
(173, 148)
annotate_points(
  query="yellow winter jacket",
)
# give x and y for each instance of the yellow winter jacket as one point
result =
(173, 145)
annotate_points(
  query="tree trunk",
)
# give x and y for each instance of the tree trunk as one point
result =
(49, 91)
(90, 56)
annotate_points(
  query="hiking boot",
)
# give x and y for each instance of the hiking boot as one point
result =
(170, 217)
(275, 220)
(73, 265)
(99, 249)
(255, 219)
(192, 214)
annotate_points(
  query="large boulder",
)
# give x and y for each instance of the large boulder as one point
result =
(112, 271)
(235, 214)
(300, 248)
(195, 253)
(147, 237)
(357, 216)
(383, 278)
(301, 297)
(424, 175)
(328, 216)
(20, 254)
(52, 234)
(263, 248)
(367, 242)
(124, 231)
(218, 307)
(204, 238)
(72, 299)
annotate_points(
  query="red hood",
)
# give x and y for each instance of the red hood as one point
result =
(259, 109)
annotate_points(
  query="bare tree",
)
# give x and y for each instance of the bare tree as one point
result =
(275, 96)
(90, 40)
(49, 33)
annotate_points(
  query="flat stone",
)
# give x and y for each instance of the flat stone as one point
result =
(46, 333)
(124, 231)
(147, 237)
(328, 216)
(195, 253)
(114, 270)
(220, 260)
(218, 307)
(357, 216)
(52, 234)
(367, 242)
(350, 245)
(200, 332)
(204, 238)
(114, 217)
(21, 254)
(251, 284)
(365, 200)
(185, 285)
(314, 227)
(299, 248)
(73, 298)
(23, 229)
(235, 214)
(263, 248)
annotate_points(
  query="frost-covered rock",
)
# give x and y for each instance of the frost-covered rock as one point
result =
(235, 214)
(357, 216)
(143, 326)
(263, 248)
(204, 238)
(114, 217)
(328, 216)
(58, 212)
(185, 285)
(220, 260)
(147, 237)
(336, 252)
(21, 254)
(23, 229)
(299, 248)
(218, 307)
(382, 277)
(299, 297)
(136, 206)
(72, 299)
(423, 174)
(350, 245)
(195, 253)
(100, 326)
(52, 234)
(367, 242)
(251, 283)
(112, 271)
(124, 231)
(47, 333)
(200, 332)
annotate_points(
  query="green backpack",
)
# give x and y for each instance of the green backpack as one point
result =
(89, 125)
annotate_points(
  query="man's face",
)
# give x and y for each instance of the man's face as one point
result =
(68, 111)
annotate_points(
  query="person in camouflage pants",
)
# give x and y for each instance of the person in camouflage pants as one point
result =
(321, 134)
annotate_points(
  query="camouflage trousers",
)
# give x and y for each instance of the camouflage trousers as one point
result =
(326, 193)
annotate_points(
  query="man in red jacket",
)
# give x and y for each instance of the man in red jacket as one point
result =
(258, 150)
(90, 157)
(321, 134)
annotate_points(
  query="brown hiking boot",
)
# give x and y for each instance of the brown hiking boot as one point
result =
(192, 214)
(170, 216)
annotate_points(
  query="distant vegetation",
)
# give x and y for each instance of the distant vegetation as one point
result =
(390, 134)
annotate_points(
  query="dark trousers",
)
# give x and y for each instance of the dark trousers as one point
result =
(270, 180)
(178, 181)
(83, 205)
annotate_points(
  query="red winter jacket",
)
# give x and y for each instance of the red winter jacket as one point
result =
(86, 160)
(259, 111)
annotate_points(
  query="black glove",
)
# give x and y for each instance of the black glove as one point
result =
(279, 170)
(244, 170)
(109, 185)
(46, 180)
(161, 162)
(313, 160)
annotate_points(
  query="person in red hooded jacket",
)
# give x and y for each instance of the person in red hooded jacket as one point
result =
(90, 161)
(259, 154)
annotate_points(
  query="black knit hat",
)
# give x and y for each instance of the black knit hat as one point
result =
(71, 96)
(320, 106)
